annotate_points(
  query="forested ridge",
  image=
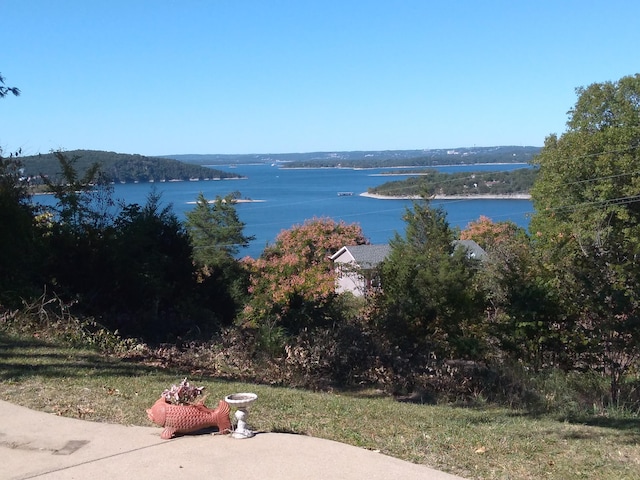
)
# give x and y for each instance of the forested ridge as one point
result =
(373, 158)
(120, 167)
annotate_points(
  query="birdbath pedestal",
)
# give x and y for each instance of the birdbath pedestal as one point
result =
(241, 401)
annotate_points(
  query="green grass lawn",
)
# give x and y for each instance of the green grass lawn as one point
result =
(481, 442)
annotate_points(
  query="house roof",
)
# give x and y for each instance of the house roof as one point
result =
(366, 256)
(369, 256)
(473, 249)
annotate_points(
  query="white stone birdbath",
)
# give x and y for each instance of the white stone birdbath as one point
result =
(241, 401)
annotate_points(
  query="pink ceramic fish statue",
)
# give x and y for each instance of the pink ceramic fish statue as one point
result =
(188, 418)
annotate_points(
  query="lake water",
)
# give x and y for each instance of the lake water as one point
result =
(290, 196)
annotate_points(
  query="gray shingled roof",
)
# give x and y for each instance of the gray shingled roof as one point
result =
(369, 256)
(473, 249)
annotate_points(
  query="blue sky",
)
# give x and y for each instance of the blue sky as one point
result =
(161, 77)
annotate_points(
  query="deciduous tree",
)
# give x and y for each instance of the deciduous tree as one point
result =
(293, 282)
(521, 303)
(587, 222)
(77, 240)
(489, 234)
(83, 202)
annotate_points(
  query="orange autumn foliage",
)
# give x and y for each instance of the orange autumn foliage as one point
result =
(489, 234)
(296, 269)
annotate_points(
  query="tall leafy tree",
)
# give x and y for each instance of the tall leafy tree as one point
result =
(489, 234)
(521, 303)
(293, 283)
(78, 238)
(83, 202)
(587, 222)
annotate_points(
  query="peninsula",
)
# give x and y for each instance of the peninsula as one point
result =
(512, 184)
(488, 196)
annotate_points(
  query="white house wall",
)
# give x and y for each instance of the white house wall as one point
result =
(349, 281)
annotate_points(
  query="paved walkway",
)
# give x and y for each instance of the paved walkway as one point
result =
(44, 446)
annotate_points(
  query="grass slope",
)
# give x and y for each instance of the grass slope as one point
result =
(478, 443)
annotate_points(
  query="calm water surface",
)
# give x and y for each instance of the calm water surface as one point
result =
(290, 196)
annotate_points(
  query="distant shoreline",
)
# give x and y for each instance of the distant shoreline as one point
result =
(283, 166)
(235, 200)
(515, 196)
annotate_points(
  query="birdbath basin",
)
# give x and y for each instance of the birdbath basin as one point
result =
(241, 401)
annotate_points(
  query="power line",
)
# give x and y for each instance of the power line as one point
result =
(604, 202)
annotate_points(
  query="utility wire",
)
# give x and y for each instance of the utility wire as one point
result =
(604, 202)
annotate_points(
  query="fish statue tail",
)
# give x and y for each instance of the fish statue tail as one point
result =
(223, 419)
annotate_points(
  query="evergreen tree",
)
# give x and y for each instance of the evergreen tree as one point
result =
(215, 230)
(216, 234)
(18, 235)
(151, 274)
(427, 297)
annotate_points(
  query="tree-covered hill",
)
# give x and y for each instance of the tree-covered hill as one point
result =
(463, 183)
(422, 158)
(120, 167)
(374, 158)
